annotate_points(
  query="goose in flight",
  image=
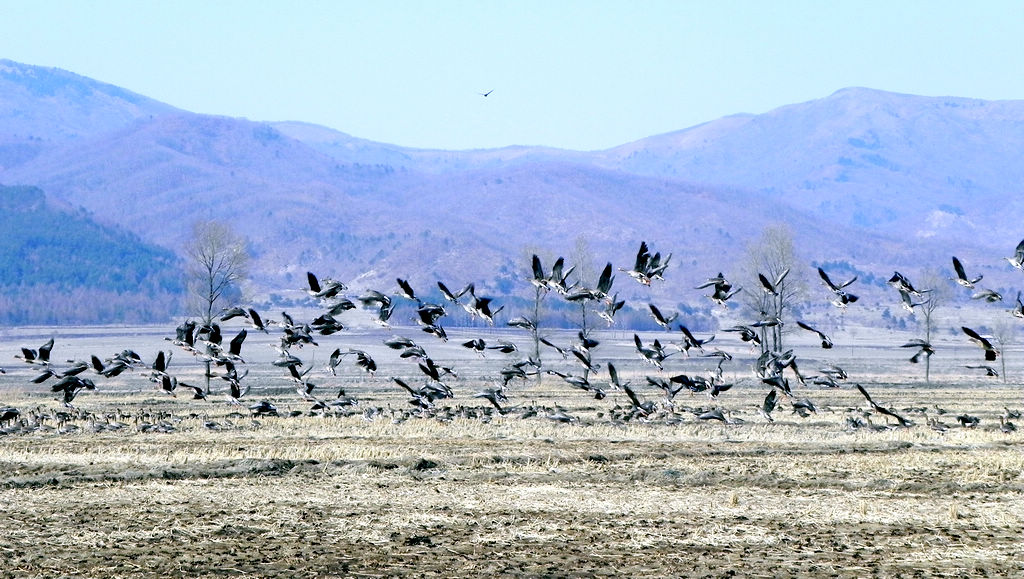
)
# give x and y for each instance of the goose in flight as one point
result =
(989, 370)
(961, 275)
(747, 334)
(689, 341)
(655, 354)
(924, 348)
(561, 351)
(40, 357)
(558, 280)
(990, 296)
(881, 410)
(454, 296)
(604, 285)
(613, 377)
(990, 351)
(1017, 260)
(723, 290)
(834, 287)
(583, 357)
(842, 297)
(647, 267)
(900, 282)
(826, 342)
(249, 314)
(326, 289)
(766, 408)
(1018, 310)
(522, 322)
(773, 287)
(70, 386)
(661, 319)
(908, 303)
(641, 409)
(495, 396)
(476, 344)
(611, 308)
(579, 382)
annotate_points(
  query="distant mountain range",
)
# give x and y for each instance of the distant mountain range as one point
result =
(873, 179)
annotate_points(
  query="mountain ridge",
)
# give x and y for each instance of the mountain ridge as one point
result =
(875, 178)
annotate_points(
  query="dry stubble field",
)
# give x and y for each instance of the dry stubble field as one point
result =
(222, 494)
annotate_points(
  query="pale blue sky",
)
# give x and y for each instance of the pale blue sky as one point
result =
(572, 74)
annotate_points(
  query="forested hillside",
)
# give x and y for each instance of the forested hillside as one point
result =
(60, 266)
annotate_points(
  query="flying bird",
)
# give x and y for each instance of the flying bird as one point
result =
(924, 349)
(961, 276)
(826, 342)
(990, 351)
(1017, 260)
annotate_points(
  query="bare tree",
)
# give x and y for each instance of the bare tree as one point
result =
(218, 262)
(937, 287)
(1005, 332)
(773, 256)
(586, 276)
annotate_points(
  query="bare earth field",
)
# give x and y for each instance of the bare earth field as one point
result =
(135, 483)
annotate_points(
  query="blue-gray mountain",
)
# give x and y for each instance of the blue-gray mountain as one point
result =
(58, 266)
(874, 179)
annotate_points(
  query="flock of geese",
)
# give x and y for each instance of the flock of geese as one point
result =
(576, 363)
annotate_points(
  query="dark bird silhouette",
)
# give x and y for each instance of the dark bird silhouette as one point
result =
(661, 319)
(549, 344)
(842, 297)
(647, 267)
(908, 303)
(989, 370)
(990, 351)
(773, 287)
(768, 406)
(641, 409)
(579, 382)
(326, 289)
(990, 296)
(613, 377)
(612, 307)
(900, 282)
(405, 290)
(453, 296)
(924, 349)
(832, 286)
(1017, 260)
(70, 386)
(723, 290)
(826, 342)
(496, 396)
(1018, 310)
(522, 322)
(689, 341)
(655, 353)
(487, 94)
(40, 357)
(747, 334)
(881, 410)
(961, 275)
